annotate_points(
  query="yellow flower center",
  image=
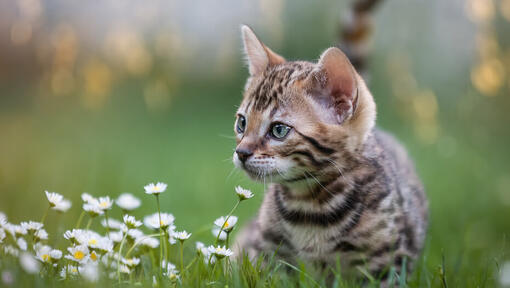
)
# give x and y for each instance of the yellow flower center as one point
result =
(92, 242)
(74, 270)
(93, 256)
(79, 255)
(225, 225)
(161, 223)
(46, 258)
(103, 204)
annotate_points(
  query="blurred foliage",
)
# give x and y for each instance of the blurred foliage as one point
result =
(106, 96)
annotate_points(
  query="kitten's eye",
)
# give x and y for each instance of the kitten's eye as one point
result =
(279, 131)
(240, 124)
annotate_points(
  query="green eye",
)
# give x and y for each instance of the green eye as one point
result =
(240, 124)
(279, 131)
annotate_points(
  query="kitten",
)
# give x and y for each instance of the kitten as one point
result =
(338, 186)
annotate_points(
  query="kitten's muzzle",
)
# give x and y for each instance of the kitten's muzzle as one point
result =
(243, 154)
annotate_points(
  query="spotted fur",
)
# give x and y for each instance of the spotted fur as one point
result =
(338, 187)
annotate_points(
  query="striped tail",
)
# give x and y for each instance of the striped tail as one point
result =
(355, 33)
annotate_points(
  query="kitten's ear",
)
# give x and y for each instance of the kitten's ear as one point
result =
(258, 56)
(335, 82)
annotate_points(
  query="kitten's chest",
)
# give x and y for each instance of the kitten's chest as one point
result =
(311, 242)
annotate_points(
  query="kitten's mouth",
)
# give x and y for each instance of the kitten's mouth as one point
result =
(259, 174)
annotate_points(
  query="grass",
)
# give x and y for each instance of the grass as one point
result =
(64, 148)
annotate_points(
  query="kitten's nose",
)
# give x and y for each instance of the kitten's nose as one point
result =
(243, 154)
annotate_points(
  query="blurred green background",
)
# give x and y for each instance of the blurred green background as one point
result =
(107, 96)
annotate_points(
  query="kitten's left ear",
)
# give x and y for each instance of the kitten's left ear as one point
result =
(258, 55)
(334, 83)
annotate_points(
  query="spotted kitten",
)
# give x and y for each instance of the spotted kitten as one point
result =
(339, 187)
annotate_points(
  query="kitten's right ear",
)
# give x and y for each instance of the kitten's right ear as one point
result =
(258, 56)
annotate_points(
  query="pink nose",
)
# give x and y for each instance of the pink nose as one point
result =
(243, 154)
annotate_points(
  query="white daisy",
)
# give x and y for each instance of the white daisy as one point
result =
(3, 219)
(90, 272)
(78, 253)
(11, 250)
(171, 272)
(29, 264)
(22, 244)
(148, 241)
(127, 202)
(46, 254)
(131, 262)
(124, 269)
(116, 236)
(131, 222)
(93, 209)
(73, 235)
(156, 189)
(201, 249)
(243, 194)
(87, 198)
(112, 224)
(226, 224)
(216, 230)
(54, 198)
(153, 222)
(68, 270)
(41, 234)
(31, 226)
(63, 206)
(15, 230)
(220, 252)
(135, 234)
(105, 203)
(181, 236)
(2, 235)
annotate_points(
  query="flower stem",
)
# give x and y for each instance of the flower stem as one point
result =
(120, 253)
(80, 219)
(89, 223)
(182, 262)
(45, 214)
(226, 220)
(160, 240)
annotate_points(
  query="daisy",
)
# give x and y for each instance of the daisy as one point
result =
(90, 272)
(131, 222)
(68, 270)
(243, 194)
(155, 189)
(22, 244)
(93, 209)
(63, 206)
(149, 242)
(41, 234)
(153, 222)
(87, 198)
(220, 252)
(31, 226)
(15, 230)
(78, 253)
(201, 249)
(54, 198)
(29, 264)
(127, 202)
(2, 235)
(131, 262)
(171, 272)
(124, 269)
(3, 219)
(116, 236)
(46, 254)
(223, 235)
(73, 235)
(112, 224)
(135, 234)
(226, 223)
(105, 203)
(181, 236)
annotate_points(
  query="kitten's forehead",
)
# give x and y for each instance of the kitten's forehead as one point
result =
(272, 89)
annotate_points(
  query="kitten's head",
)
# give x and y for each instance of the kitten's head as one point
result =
(299, 119)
